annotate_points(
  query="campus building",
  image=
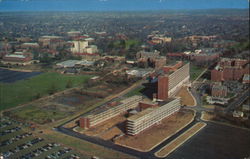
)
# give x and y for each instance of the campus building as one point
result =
(108, 112)
(199, 56)
(83, 49)
(230, 69)
(51, 42)
(147, 55)
(151, 116)
(219, 91)
(79, 46)
(152, 59)
(172, 80)
(17, 58)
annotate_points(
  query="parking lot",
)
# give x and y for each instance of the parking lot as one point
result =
(16, 143)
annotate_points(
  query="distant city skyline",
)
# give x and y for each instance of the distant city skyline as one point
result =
(119, 5)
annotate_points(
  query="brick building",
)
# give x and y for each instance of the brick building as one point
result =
(18, 58)
(146, 55)
(219, 91)
(172, 80)
(152, 59)
(201, 56)
(230, 69)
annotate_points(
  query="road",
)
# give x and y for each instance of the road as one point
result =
(238, 101)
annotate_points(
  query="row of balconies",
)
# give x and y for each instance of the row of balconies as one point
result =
(178, 76)
(135, 127)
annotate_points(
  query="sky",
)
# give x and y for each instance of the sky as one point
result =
(118, 5)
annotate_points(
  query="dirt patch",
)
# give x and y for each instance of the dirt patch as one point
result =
(186, 97)
(209, 106)
(149, 138)
(207, 116)
(108, 135)
(166, 150)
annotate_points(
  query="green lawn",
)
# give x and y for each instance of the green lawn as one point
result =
(195, 71)
(37, 114)
(136, 91)
(130, 43)
(24, 91)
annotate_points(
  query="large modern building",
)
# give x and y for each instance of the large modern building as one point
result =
(151, 116)
(108, 112)
(79, 46)
(172, 80)
(230, 69)
(82, 48)
(51, 42)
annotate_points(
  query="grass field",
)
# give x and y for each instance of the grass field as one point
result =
(130, 43)
(127, 43)
(195, 71)
(38, 114)
(24, 91)
(136, 91)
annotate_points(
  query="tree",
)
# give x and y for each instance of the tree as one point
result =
(69, 84)
(52, 89)
(38, 95)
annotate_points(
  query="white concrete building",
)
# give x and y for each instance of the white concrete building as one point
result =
(148, 117)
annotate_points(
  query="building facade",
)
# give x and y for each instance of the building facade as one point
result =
(103, 115)
(151, 116)
(170, 83)
(17, 59)
(219, 91)
(230, 69)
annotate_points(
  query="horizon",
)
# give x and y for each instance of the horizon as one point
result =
(115, 5)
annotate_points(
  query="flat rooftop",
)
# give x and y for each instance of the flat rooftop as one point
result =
(161, 103)
(146, 111)
(140, 114)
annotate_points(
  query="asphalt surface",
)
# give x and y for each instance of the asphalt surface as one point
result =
(238, 101)
(9, 76)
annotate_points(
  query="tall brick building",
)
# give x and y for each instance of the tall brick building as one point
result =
(172, 80)
(163, 87)
(230, 69)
